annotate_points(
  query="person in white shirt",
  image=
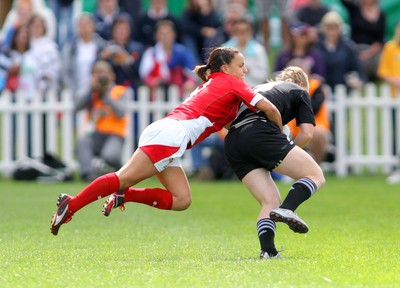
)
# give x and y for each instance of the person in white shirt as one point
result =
(255, 53)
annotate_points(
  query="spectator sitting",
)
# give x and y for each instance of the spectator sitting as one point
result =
(146, 24)
(106, 104)
(199, 21)
(79, 55)
(168, 63)
(367, 23)
(254, 53)
(318, 145)
(339, 54)
(301, 46)
(123, 53)
(107, 11)
(21, 14)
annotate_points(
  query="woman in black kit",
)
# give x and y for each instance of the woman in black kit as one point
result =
(255, 146)
(367, 22)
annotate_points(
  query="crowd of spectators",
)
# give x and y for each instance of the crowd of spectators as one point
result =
(40, 47)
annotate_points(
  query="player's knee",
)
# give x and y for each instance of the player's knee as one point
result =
(183, 202)
(319, 179)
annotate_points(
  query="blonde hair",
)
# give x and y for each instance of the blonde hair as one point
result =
(294, 74)
(332, 17)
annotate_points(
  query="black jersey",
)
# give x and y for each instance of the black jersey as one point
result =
(292, 101)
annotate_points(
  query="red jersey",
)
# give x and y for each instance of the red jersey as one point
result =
(212, 105)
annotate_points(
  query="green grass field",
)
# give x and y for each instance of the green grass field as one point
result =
(354, 240)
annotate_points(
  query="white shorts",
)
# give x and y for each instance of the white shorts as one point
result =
(164, 142)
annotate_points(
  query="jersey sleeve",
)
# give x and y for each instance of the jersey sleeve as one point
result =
(246, 93)
(305, 112)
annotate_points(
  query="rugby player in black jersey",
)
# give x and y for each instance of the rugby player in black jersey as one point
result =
(255, 146)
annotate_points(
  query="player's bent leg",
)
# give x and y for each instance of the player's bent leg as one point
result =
(175, 181)
(176, 196)
(138, 168)
(300, 166)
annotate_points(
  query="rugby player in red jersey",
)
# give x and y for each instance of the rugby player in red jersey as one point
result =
(212, 106)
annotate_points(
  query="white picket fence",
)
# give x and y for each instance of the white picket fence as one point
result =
(366, 132)
(364, 127)
(63, 125)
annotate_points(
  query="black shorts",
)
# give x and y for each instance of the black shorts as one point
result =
(256, 145)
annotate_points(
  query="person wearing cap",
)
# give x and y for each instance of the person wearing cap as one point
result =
(301, 46)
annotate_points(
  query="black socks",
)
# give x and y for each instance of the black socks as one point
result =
(266, 233)
(300, 191)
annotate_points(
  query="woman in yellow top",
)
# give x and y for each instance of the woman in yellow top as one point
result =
(389, 71)
(389, 65)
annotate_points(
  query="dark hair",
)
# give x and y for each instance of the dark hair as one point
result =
(219, 56)
(165, 22)
(15, 35)
(123, 18)
(41, 19)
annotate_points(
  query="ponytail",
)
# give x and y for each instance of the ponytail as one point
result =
(219, 56)
(202, 72)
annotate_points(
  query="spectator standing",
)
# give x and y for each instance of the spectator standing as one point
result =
(63, 12)
(104, 16)
(367, 23)
(47, 55)
(106, 103)
(131, 7)
(168, 62)
(389, 65)
(123, 53)
(312, 14)
(301, 46)
(20, 63)
(263, 11)
(21, 14)
(232, 13)
(79, 54)
(255, 53)
(389, 71)
(146, 24)
(342, 64)
(199, 21)
(19, 66)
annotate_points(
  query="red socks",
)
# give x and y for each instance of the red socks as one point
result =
(99, 188)
(156, 197)
(109, 183)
